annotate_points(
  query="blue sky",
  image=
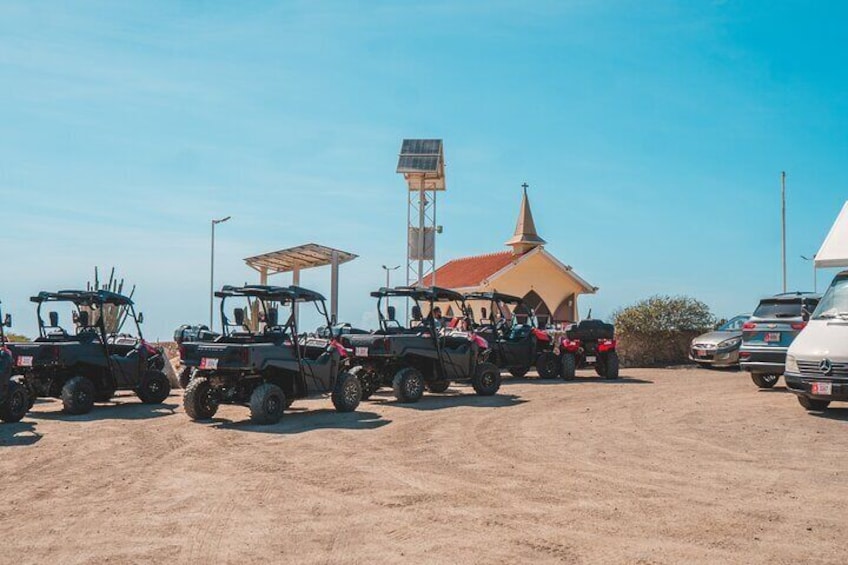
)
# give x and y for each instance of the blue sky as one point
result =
(652, 135)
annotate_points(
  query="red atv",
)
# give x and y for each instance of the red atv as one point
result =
(589, 343)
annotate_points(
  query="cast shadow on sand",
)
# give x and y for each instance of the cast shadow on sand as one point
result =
(449, 399)
(19, 433)
(112, 411)
(622, 380)
(299, 420)
(839, 413)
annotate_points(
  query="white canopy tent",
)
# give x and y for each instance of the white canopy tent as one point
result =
(834, 250)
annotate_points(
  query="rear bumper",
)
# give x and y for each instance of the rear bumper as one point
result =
(763, 360)
(801, 385)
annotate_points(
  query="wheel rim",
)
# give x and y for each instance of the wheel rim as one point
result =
(412, 385)
(488, 379)
(17, 402)
(351, 395)
(81, 397)
(550, 365)
(272, 404)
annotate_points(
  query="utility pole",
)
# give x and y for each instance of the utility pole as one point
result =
(212, 269)
(783, 223)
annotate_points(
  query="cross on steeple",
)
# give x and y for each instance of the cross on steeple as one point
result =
(525, 186)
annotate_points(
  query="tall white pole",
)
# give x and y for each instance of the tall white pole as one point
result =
(212, 277)
(783, 223)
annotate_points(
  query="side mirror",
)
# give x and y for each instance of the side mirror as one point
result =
(82, 318)
(54, 319)
(483, 313)
(392, 312)
(238, 314)
(7, 321)
(416, 313)
(141, 317)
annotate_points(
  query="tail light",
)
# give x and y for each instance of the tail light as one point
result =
(55, 352)
(744, 354)
(541, 336)
(799, 325)
(606, 345)
(149, 348)
(749, 326)
(244, 353)
(387, 345)
(571, 345)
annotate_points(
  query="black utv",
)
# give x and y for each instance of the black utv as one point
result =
(262, 362)
(95, 359)
(589, 343)
(517, 344)
(186, 332)
(431, 353)
(14, 398)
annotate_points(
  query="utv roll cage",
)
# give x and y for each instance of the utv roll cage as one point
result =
(267, 298)
(431, 295)
(5, 322)
(95, 300)
(496, 300)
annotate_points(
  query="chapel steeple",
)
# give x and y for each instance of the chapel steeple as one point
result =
(525, 237)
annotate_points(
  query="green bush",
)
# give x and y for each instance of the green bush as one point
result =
(659, 314)
(657, 331)
(16, 337)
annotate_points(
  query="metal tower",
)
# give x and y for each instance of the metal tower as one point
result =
(422, 164)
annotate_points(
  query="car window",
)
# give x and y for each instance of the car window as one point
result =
(779, 309)
(734, 324)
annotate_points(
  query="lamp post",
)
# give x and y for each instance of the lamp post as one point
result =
(812, 260)
(783, 224)
(212, 269)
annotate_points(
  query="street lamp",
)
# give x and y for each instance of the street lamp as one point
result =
(813, 261)
(388, 274)
(212, 269)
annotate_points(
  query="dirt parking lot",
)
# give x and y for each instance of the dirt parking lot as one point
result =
(664, 466)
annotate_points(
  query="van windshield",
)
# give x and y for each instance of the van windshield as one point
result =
(834, 303)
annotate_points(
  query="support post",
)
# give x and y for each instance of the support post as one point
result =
(296, 282)
(263, 276)
(334, 288)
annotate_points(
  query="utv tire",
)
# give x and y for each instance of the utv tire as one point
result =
(518, 372)
(154, 388)
(764, 381)
(486, 380)
(78, 395)
(408, 385)
(813, 403)
(546, 365)
(600, 367)
(347, 393)
(267, 404)
(16, 405)
(438, 387)
(185, 377)
(199, 399)
(568, 366)
(611, 365)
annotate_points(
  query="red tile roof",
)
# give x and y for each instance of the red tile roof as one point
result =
(469, 271)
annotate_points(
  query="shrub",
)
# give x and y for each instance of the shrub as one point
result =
(664, 314)
(658, 330)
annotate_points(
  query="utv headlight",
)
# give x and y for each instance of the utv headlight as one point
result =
(730, 343)
(791, 364)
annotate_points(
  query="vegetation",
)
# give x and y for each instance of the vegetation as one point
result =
(16, 337)
(659, 314)
(657, 331)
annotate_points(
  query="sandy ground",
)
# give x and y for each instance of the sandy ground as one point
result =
(665, 466)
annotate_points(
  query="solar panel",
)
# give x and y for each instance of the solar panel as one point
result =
(420, 156)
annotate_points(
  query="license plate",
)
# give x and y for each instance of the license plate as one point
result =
(25, 361)
(591, 358)
(209, 363)
(772, 337)
(824, 389)
(361, 352)
(703, 354)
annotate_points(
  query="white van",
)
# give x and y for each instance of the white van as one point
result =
(817, 361)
